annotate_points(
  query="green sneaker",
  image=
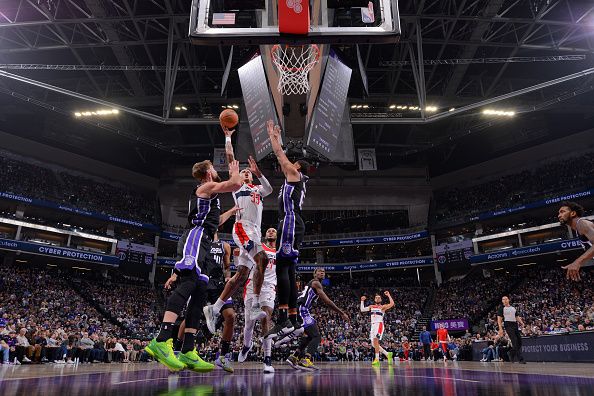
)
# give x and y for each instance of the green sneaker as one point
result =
(375, 363)
(195, 362)
(390, 358)
(163, 353)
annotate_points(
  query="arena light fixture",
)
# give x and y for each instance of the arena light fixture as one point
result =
(500, 113)
(99, 112)
(452, 109)
(353, 106)
(431, 109)
(392, 107)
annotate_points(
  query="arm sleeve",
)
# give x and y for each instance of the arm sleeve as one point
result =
(265, 187)
(363, 308)
(500, 311)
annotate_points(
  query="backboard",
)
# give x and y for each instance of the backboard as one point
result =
(258, 22)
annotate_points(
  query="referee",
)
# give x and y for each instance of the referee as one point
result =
(508, 318)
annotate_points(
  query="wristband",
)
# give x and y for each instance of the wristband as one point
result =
(227, 139)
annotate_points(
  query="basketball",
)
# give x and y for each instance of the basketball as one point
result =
(228, 118)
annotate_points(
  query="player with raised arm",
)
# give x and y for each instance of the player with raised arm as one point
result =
(571, 214)
(204, 217)
(301, 359)
(246, 235)
(377, 325)
(267, 292)
(291, 229)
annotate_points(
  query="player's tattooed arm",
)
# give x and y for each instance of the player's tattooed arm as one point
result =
(227, 261)
(324, 297)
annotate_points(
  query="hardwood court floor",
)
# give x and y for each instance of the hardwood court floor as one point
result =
(336, 379)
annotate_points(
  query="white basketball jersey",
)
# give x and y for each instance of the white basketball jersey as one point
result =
(249, 199)
(270, 273)
(377, 315)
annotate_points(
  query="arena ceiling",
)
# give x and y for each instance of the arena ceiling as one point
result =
(452, 53)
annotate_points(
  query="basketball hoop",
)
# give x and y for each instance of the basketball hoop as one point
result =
(293, 64)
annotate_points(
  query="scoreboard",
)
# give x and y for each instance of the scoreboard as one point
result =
(135, 259)
(457, 253)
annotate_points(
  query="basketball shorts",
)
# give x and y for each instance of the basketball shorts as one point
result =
(377, 331)
(306, 317)
(248, 238)
(291, 230)
(194, 251)
(267, 294)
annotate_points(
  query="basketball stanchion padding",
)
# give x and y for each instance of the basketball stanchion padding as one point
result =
(293, 16)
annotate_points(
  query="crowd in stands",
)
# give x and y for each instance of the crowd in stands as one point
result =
(132, 305)
(551, 304)
(34, 181)
(57, 315)
(553, 178)
(360, 253)
(470, 296)
(44, 319)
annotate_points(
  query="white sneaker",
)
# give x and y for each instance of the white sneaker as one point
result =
(245, 351)
(26, 359)
(211, 318)
(60, 362)
(290, 337)
(69, 362)
(268, 369)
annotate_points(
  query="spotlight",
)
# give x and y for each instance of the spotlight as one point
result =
(392, 107)
(353, 106)
(452, 109)
(100, 112)
(500, 113)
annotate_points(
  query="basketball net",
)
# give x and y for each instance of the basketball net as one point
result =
(293, 64)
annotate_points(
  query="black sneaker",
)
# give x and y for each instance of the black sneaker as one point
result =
(280, 330)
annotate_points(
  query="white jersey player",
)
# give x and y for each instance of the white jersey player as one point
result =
(267, 294)
(377, 311)
(246, 234)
